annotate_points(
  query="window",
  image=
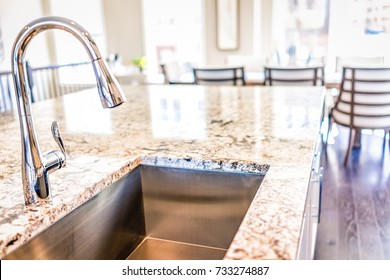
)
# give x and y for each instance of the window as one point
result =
(300, 31)
(173, 31)
(358, 29)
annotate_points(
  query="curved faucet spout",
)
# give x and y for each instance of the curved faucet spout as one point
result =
(35, 165)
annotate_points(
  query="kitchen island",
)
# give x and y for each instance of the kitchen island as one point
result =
(266, 130)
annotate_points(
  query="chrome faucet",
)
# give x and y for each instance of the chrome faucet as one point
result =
(35, 165)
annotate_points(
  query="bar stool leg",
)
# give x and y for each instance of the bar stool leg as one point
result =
(350, 145)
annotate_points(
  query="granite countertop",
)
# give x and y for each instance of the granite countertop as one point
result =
(269, 130)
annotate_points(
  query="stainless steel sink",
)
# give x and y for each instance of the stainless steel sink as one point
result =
(152, 213)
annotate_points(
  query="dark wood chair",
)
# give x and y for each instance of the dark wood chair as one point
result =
(363, 102)
(219, 76)
(294, 76)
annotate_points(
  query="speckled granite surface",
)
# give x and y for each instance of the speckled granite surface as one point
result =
(252, 129)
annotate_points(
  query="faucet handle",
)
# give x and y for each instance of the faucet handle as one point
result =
(55, 131)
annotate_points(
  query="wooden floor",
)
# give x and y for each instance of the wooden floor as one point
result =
(355, 217)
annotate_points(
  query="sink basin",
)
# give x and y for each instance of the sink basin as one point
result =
(152, 213)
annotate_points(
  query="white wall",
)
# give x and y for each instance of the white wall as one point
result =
(263, 41)
(214, 56)
(43, 50)
(124, 29)
(14, 15)
(89, 14)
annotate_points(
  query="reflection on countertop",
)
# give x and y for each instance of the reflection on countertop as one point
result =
(255, 129)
